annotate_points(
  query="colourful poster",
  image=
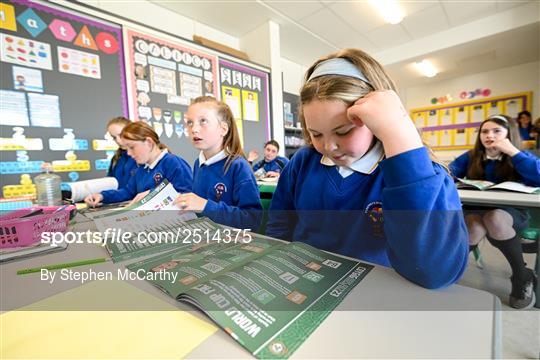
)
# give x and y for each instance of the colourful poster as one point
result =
(246, 90)
(155, 65)
(77, 62)
(25, 79)
(250, 105)
(27, 52)
(231, 97)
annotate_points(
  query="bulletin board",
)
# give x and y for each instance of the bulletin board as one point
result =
(163, 76)
(245, 90)
(61, 79)
(455, 126)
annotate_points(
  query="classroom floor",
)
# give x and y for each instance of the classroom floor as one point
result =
(520, 328)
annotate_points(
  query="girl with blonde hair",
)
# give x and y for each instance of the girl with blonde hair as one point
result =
(366, 186)
(224, 187)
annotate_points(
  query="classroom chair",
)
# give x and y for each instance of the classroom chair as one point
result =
(266, 192)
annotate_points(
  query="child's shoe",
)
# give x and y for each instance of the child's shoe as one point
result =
(522, 295)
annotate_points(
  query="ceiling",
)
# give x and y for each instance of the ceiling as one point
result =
(459, 37)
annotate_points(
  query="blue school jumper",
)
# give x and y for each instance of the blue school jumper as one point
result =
(123, 170)
(167, 166)
(404, 212)
(526, 165)
(525, 133)
(276, 165)
(233, 197)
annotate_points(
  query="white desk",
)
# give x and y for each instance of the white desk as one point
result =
(270, 184)
(499, 198)
(384, 316)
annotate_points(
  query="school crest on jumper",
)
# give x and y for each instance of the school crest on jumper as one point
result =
(220, 189)
(157, 178)
(374, 215)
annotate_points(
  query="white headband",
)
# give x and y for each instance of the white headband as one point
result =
(498, 117)
(338, 66)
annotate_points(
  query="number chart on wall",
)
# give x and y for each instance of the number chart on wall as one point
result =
(455, 126)
(163, 77)
(62, 78)
(245, 90)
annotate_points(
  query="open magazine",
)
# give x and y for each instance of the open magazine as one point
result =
(134, 231)
(488, 185)
(267, 294)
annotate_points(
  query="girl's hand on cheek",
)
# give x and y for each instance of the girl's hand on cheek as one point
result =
(505, 146)
(383, 113)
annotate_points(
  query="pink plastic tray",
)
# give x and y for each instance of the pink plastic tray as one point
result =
(16, 231)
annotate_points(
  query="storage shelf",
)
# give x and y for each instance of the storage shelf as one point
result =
(292, 129)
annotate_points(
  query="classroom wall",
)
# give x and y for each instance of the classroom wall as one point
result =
(293, 76)
(525, 77)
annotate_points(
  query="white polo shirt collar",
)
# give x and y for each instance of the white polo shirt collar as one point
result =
(214, 159)
(365, 165)
(155, 162)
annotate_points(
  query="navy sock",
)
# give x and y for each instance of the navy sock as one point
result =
(511, 249)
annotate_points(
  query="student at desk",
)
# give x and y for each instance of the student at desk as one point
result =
(496, 157)
(156, 164)
(526, 128)
(224, 188)
(272, 164)
(366, 186)
(122, 167)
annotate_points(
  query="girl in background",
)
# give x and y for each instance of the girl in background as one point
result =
(496, 157)
(524, 120)
(366, 186)
(155, 165)
(224, 188)
(122, 166)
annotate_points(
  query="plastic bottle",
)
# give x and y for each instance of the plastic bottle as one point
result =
(48, 187)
